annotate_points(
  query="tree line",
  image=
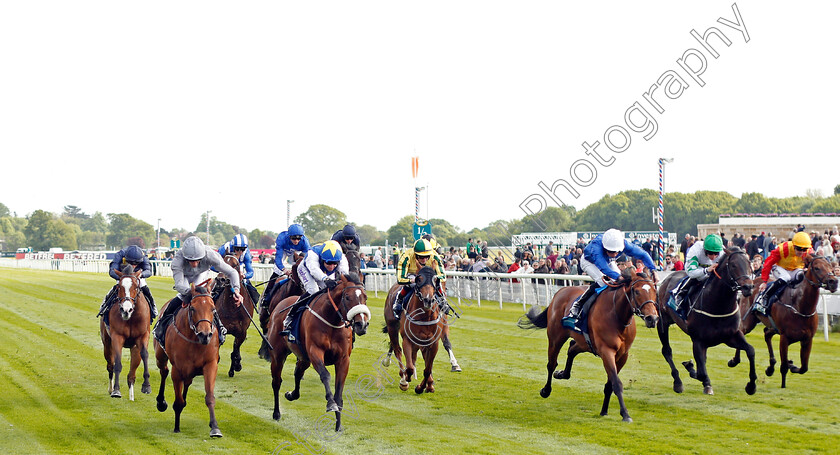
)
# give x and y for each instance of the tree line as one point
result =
(630, 210)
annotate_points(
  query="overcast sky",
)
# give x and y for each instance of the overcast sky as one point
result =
(168, 109)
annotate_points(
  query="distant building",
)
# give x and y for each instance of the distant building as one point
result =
(782, 225)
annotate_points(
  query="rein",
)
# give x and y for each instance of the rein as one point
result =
(637, 310)
(343, 319)
(734, 287)
(193, 325)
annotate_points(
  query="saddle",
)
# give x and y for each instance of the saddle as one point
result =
(583, 319)
(296, 313)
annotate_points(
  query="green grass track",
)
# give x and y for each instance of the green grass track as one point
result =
(53, 393)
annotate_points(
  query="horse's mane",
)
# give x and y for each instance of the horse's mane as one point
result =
(353, 277)
(127, 269)
(734, 249)
(350, 247)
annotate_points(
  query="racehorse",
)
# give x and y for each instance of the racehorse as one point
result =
(129, 319)
(354, 259)
(325, 338)
(611, 329)
(289, 288)
(233, 316)
(712, 319)
(793, 317)
(422, 325)
(192, 345)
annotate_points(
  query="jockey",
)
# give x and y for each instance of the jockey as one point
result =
(191, 266)
(347, 236)
(785, 263)
(411, 261)
(319, 270)
(238, 247)
(598, 261)
(701, 261)
(133, 256)
(287, 244)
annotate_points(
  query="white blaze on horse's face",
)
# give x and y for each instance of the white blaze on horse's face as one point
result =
(126, 306)
(646, 287)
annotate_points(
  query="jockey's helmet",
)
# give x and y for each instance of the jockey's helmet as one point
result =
(423, 247)
(713, 243)
(134, 254)
(295, 229)
(801, 240)
(331, 251)
(239, 241)
(613, 240)
(194, 249)
(349, 232)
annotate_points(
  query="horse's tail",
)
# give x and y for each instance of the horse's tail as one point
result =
(384, 328)
(533, 319)
(263, 352)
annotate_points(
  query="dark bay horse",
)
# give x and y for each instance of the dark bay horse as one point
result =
(354, 259)
(129, 319)
(192, 346)
(289, 288)
(793, 317)
(713, 318)
(422, 325)
(611, 328)
(326, 338)
(235, 318)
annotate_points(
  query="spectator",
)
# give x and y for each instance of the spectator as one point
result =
(525, 267)
(514, 268)
(757, 264)
(825, 248)
(485, 252)
(752, 247)
(759, 243)
(471, 249)
(562, 267)
(549, 249)
(377, 257)
(648, 247)
(685, 245)
(480, 265)
(395, 254)
(738, 240)
(725, 241)
(517, 254)
(669, 264)
(678, 265)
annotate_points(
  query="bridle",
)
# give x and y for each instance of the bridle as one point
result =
(821, 281)
(733, 282)
(636, 308)
(345, 318)
(194, 325)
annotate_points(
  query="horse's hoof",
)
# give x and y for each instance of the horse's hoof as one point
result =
(430, 389)
(769, 371)
(238, 367)
(403, 386)
(161, 406)
(230, 373)
(708, 390)
(545, 392)
(627, 419)
(561, 374)
(116, 394)
(386, 362)
(750, 388)
(456, 368)
(333, 408)
(146, 388)
(215, 433)
(418, 390)
(732, 363)
(291, 396)
(678, 387)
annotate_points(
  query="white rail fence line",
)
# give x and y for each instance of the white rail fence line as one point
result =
(527, 289)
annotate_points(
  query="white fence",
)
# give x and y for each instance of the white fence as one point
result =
(472, 287)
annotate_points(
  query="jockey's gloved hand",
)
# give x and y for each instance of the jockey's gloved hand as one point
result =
(331, 284)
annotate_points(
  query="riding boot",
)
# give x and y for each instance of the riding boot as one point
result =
(398, 302)
(290, 316)
(762, 301)
(106, 302)
(152, 308)
(165, 318)
(253, 292)
(269, 289)
(571, 321)
(222, 330)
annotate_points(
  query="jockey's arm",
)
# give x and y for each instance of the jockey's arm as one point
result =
(771, 260)
(249, 269)
(404, 268)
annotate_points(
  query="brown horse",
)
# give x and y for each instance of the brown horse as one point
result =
(325, 339)
(193, 348)
(712, 319)
(423, 324)
(289, 288)
(793, 317)
(235, 318)
(611, 328)
(129, 319)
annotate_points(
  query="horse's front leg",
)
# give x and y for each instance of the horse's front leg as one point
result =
(428, 383)
(614, 385)
(210, 370)
(235, 356)
(180, 401)
(574, 349)
(163, 366)
(116, 351)
(804, 356)
(408, 372)
(701, 374)
(768, 339)
(667, 353)
(132, 370)
(784, 343)
(740, 343)
(554, 346)
(316, 356)
(300, 368)
(341, 369)
(144, 356)
(448, 346)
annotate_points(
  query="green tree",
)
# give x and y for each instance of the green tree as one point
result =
(837, 189)
(4, 211)
(319, 219)
(95, 223)
(402, 229)
(369, 235)
(60, 234)
(36, 229)
(123, 226)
